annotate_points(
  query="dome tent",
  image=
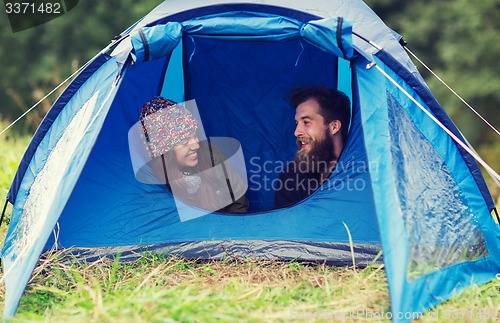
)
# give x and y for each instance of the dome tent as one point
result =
(402, 184)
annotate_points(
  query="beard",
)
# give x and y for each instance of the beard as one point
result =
(320, 159)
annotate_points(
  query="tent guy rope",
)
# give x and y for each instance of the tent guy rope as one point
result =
(111, 45)
(452, 91)
(451, 134)
(27, 246)
(45, 97)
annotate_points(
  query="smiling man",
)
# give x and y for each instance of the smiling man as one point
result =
(322, 118)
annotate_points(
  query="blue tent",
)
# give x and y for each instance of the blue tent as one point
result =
(403, 184)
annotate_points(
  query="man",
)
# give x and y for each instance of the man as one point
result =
(322, 117)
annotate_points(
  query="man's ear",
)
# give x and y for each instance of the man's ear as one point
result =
(335, 126)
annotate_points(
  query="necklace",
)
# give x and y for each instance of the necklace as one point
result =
(192, 182)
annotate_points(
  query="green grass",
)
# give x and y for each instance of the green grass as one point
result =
(12, 147)
(155, 288)
(158, 289)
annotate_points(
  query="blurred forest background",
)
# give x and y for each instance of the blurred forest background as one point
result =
(458, 39)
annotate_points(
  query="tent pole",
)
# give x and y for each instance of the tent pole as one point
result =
(5, 208)
(496, 214)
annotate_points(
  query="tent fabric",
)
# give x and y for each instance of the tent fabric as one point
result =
(424, 93)
(430, 215)
(54, 169)
(333, 34)
(431, 262)
(365, 22)
(47, 123)
(339, 254)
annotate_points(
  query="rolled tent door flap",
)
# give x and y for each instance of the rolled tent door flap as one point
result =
(333, 35)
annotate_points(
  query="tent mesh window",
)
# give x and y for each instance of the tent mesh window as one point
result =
(440, 226)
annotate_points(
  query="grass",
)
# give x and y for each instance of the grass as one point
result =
(172, 289)
(12, 147)
(154, 288)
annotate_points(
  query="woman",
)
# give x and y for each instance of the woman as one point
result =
(194, 171)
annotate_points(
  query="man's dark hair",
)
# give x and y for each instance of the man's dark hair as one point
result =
(334, 104)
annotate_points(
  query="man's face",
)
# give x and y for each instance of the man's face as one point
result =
(311, 128)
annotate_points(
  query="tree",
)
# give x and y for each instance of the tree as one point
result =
(459, 40)
(36, 60)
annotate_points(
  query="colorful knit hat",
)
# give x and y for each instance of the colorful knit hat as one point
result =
(165, 124)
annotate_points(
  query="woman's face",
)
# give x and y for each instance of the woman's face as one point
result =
(186, 152)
